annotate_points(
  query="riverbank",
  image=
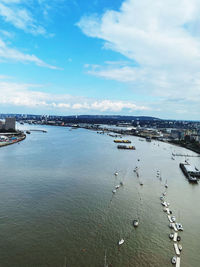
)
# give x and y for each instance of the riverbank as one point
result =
(13, 139)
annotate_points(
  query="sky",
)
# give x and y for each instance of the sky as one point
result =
(123, 57)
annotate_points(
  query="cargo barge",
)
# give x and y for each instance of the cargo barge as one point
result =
(122, 141)
(125, 147)
(191, 174)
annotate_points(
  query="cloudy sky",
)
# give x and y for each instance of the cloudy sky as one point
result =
(133, 57)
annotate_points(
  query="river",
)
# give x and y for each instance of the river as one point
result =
(57, 208)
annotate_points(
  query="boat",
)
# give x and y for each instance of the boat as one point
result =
(121, 242)
(171, 236)
(148, 139)
(125, 147)
(141, 183)
(173, 218)
(165, 209)
(135, 223)
(180, 247)
(105, 261)
(179, 226)
(117, 186)
(166, 185)
(28, 132)
(116, 173)
(171, 225)
(123, 141)
(178, 238)
(121, 183)
(173, 260)
(114, 191)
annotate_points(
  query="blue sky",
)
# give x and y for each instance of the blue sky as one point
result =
(100, 57)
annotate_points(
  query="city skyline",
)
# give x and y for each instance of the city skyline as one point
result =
(125, 58)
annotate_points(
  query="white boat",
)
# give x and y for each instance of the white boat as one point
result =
(114, 191)
(116, 173)
(121, 242)
(173, 218)
(179, 226)
(171, 236)
(117, 186)
(135, 223)
(173, 260)
(105, 261)
(180, 247)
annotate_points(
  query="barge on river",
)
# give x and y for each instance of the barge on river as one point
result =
(191, 173)
(122, 141)
(125, 147)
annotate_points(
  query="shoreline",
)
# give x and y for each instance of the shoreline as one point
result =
(13, 142)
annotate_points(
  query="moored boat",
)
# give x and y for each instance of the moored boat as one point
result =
(121, 242)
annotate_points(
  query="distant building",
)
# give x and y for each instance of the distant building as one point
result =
(10, 124)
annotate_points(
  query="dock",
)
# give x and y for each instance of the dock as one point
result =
(177, 251)
(178, 262)
(175, 237)
(184, 155)
(38, 130)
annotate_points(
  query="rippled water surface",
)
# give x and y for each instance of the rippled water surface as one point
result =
(57, 207)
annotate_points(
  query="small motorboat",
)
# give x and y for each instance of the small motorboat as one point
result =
(161, 198)
(135, 223)
(178, 238)
(116, 173)
(166, 185)
(121, 183)
(173, 218)
(117, 186)
(141, 183)
(171, 235)
(180, 247)
(121, 242)
(164, 193)
(173, 260)
(114, 191)
(165, 209)
(171, 225)
(179, 226)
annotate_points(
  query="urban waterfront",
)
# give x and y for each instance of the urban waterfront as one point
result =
(57, 207)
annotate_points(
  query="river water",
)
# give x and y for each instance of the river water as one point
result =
(57, 208)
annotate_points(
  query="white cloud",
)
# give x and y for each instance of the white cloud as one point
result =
(23, 95)
(20, 17)
(162, 38)
(7, 53)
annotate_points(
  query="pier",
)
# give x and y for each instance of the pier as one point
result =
(184, 155)
(178, 262)
(38, 130)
